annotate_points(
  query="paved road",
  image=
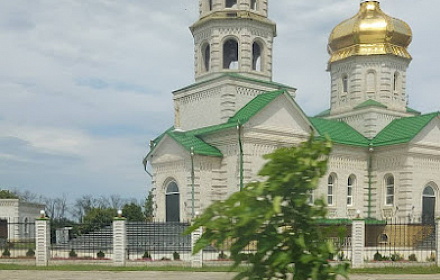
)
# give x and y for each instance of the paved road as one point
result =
(62, 275)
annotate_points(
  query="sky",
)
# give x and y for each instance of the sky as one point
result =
(86, 84)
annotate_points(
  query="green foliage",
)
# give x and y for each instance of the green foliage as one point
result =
(97, 218)
(149, 207)
(396, 257)
(377, 256)
(73, 254)
(412, 258)
(100, 255)
(277, 219)
(5, 194)
(147, 255)
(30, 253)
(6, 253)
(133, 212)
(176, 256)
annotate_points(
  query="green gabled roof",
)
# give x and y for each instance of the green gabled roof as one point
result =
(410, 110)
(240, 77)
(339, 132)
(370, 103)
(323, 114)
(254, 106)
(403, 130)
(190, 141)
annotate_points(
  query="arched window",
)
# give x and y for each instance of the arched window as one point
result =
(231, 4)
(256, 56)
(230, 54)
(172, 202)
(428, 208)
(371, 82)
(396, 82)
(344, 83)
(389, 200)
(206, 56)
(254, 5)
(209, 5)
(350, 186)
(330, 190)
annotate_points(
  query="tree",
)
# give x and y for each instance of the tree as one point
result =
(277, 217)
(149, 207)
(133, 212)
(97, 218)
(5, 194)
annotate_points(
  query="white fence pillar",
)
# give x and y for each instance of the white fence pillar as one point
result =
(42, 240)
(119, 241)
(437, 241)
(357, 243)
(197, 259)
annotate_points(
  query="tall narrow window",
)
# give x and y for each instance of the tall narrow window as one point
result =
(254, 5)
(209, 5)
(389, 190)
(311, 198)
(396, 82)
(26, 226)
(172, 202)
(371, 82)
(230, 54)
(206, 55)
(330, 190)
(256, 57)
(350, 186)
(231, 4)
(345, 83)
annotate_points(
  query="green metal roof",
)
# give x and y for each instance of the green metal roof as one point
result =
(339, 132)
(410, 110)
(324, 113)
(403, 130)
(370, 103)
(240, 77)
(189, 140)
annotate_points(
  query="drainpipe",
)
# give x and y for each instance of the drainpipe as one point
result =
(240, 145)
(370, 171)
(192, 183)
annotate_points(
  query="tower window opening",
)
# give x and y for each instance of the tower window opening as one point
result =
(345, 83)
(209, 5)
(206, 55)
(230, 54)
(254, 5)
(256, 57)
(371, 83)
(231, 3)
(396, 82)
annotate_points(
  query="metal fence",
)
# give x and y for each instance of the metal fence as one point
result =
(397, 240)
(17, 240)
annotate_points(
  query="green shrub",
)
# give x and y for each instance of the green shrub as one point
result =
(72, 254)
(100, 255)
(396, 257)
(30, 253)
(412, 258)
(146, 255)
(176, 256)
(378, 256)
(6, 253)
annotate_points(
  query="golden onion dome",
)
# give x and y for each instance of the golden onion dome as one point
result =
(370, 32)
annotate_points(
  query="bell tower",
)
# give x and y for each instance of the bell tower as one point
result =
(233, 36)
(233, 41)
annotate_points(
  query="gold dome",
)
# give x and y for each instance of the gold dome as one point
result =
(370, 32)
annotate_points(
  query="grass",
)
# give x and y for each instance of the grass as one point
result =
(385, 270)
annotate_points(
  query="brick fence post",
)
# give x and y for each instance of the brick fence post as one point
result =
(42, 240)
(196, 259)
(357, 243)
(437, 241)
(119, 241)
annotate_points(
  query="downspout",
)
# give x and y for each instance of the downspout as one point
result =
(240, 145)
(370, 171)
(192, 183)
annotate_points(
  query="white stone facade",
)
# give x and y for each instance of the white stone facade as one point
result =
(393, 179)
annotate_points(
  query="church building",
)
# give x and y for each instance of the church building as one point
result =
(385, 161)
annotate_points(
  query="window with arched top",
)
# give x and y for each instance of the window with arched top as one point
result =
(231, 4)
(330, 189)
(344, 83)
(371, 82)
(257, 56)
(428, 204)
(350, 189)
(206, 57)
(389, 195)
(230, 54)
(396, 82)
(209, 5)
(172, 202)
(254, 5)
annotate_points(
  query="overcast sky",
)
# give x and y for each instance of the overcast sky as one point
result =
(85, 84)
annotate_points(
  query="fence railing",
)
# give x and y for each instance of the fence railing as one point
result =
(18, 240)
